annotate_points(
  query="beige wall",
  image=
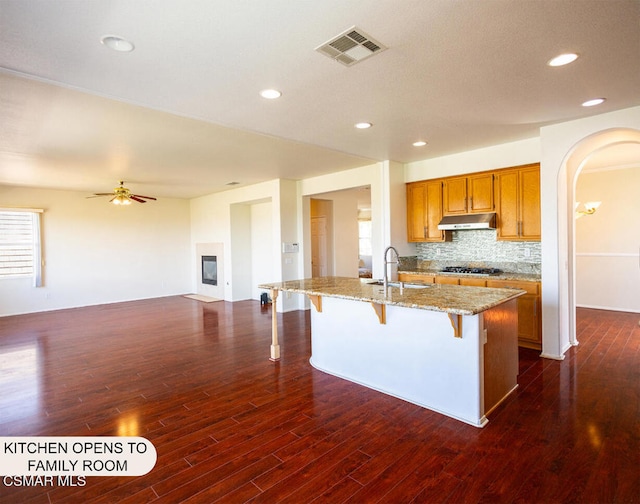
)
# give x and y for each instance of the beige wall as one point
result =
(229, 218)
(608, 242)
(98, 253)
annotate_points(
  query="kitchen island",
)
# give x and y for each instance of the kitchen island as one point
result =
(452, 349)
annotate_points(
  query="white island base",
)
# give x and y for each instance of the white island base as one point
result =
(415, 354)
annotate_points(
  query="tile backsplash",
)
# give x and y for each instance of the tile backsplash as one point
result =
(480, 248)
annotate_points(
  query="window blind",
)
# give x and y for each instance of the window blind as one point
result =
(20, 244)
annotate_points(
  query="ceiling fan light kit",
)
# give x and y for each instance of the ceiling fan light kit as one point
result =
(123, 196)
(121, 200)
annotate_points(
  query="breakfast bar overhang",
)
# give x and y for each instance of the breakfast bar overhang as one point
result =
(452, 349)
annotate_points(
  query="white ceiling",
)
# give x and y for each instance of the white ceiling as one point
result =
(181, 115)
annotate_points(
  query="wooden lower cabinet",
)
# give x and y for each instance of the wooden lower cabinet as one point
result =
(446, 279)
(529, 311)
(529, 305)
(418, 278)
(473, 282)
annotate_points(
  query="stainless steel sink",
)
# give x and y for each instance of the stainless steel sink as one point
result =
(397, 284)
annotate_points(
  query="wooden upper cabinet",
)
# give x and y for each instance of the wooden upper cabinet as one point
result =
(513, 193)
(517, 193)
(434, 211)
(455, 196)
(507, 205)
(530, 203)
(481, 193)
(416, 211)
(470, 194)
(424, 211)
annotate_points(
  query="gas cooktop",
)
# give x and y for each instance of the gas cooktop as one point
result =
(466, 270)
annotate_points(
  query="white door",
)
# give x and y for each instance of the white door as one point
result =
(318, 246)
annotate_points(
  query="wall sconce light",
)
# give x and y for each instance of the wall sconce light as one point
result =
(589, 208)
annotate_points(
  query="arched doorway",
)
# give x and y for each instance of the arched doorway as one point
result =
(573, 163)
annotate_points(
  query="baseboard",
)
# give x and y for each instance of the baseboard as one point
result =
(607, 308)
(552, 356)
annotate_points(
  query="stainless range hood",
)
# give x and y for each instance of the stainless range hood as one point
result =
(468, 221)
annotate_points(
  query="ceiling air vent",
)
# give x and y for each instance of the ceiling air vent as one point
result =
(351, 47)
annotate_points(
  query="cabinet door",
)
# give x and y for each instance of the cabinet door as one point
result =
(530, 204)
(473, 282)
(455, 196)
(529, 327)
(415, 278)
(416, 211)
(434, 211)
(507, 205)
(480, 189)
(528, 331)
(442, 279)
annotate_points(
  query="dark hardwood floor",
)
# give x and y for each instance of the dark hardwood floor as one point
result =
(231, 426)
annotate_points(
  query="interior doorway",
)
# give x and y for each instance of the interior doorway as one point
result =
(588, 149)
(251, 245)
(607, 233)
(334, 224)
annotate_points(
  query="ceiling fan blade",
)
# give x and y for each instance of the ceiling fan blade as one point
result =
(135, 198)
(112, 199)
(98, 195)
(140, 196)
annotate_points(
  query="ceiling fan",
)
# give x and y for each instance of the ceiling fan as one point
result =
(123, 196)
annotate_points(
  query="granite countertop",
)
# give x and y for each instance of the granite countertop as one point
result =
(456, 299)
(505, 275)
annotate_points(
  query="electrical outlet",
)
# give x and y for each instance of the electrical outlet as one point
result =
(527, 252)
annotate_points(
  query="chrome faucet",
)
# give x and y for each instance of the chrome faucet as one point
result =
(385, 279)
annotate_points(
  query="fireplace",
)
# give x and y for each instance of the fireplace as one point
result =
(209, 270)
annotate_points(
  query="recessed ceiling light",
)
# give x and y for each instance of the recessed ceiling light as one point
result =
(420, 143)
(117, 43)
(270, 94)
(562, 59)
(594, 102)
(363, 125)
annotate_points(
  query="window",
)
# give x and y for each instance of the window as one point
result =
(20, 254)
(364, 233)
